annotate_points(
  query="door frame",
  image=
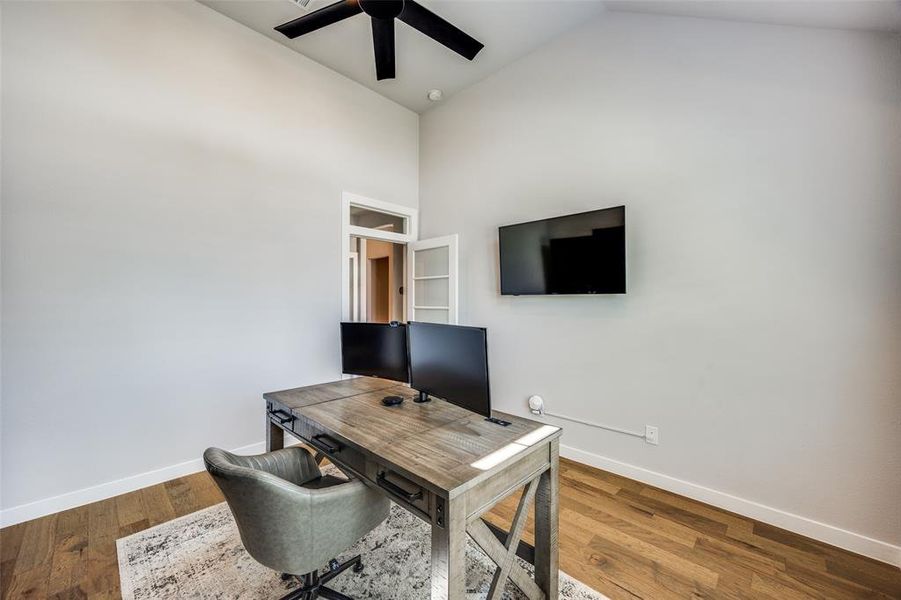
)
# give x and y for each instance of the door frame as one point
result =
(349, 199)
(354, 271)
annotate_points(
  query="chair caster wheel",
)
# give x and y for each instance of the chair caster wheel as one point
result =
(358, 568)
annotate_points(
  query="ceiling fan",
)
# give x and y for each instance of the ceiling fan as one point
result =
(383, 13)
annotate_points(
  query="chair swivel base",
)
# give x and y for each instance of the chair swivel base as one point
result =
(313, 586)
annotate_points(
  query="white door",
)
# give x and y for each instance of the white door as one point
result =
(432, 284)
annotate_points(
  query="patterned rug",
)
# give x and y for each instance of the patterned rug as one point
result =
(200, 556)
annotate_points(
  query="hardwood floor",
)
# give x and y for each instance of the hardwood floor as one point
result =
(623, 538)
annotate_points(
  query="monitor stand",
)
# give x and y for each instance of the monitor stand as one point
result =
(424, 397)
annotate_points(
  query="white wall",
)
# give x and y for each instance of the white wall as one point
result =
(762, 328)
(171, 220)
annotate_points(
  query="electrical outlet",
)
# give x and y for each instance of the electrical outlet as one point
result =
(651, 435)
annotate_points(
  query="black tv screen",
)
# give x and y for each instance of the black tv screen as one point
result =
(375, 349)
(583, 253)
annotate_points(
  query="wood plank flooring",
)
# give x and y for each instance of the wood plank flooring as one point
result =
(623, 538)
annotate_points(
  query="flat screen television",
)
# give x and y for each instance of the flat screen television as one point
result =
(451, 363)
(375, 350)
(584, 253)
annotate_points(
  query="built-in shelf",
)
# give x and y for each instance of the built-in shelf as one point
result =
(427, 277)
(432, 307)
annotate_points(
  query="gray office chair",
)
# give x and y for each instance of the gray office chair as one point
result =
(292, 518)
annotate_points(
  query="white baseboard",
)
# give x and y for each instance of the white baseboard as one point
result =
(829, 534)
(47, 506)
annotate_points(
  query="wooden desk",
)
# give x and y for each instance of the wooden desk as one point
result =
(445, 464)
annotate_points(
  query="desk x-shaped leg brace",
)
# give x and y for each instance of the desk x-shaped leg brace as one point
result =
(504, 555)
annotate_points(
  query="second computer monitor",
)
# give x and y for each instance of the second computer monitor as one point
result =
(450, 362)
(374, 349)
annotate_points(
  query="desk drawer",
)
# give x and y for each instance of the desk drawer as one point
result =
(281, 415)
(402, 490)
(336, 450)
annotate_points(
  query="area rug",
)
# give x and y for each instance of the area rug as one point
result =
(200, 556)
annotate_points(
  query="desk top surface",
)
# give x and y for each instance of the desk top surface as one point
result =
(436, 440)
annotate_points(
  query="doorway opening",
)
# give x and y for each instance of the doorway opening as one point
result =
(377, 271)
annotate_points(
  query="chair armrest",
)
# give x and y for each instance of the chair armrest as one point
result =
(342, 514)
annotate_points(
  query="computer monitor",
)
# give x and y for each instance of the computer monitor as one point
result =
(450, 362)
(375, 349)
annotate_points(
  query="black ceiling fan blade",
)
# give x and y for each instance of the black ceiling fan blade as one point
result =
(383, 43)
(320, 18)
(420, 18)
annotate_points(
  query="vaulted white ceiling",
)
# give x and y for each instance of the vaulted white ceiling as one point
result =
(511, 29)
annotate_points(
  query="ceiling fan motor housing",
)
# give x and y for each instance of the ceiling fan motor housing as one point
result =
(382, 9)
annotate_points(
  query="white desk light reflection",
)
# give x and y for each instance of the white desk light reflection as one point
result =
(513, 448)
(537, 435)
